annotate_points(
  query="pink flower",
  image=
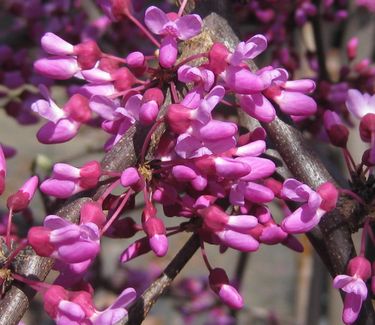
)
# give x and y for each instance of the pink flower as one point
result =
(68, 242)
(76, 307)
(171, 27)
(21, 199)
(248, 50)
(63, 123)
(289, 95)
(200, 76)
(337, 132)
(306, 216)
(231, 231)
(67, 180)
(117, 119)
(362, 106)
(219, 283)
(354, 286)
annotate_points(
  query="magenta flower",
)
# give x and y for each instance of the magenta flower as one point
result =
(67, 60)
(63, 123)
(289, 95)
(248, 50)
(219, 283)
(117, 119)
(306, 216)
(231, 231)
(22, 198)
(362, 106)
(65, 241)
(354, 286)
(76, 307)
(67, 180)
(337, 132)
(201, 77)
(171, 27)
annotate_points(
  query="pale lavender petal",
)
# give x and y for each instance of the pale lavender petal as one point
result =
(302, 220)
(258, 106)
(47, 111)
(220, 146)
(105, 89)
(258, 193)
(159, 244)
(289, 190)
(187, 146)
(155, 19)
(132, 106)
(253, 149)
(65, 171)
(302, 85)
(357, 104)
(71, 310)
(341, 280)
(216, 130)
(103, 106)
(183, 173)
(96, 75)
(230, 296)
(189, 26)
(59, 68)
(249, 50)
(65, 235)
(239, 241)
(243, 81)
(230, 168)
(78, 252)
(124, 299)
(62, 131)
(209, 102)
(352, 307)
(58, 188)
(168, 52)
(54, 44)
(259, 168)
(192, 99)
(241, 223)
(296, 104)
(55, 222)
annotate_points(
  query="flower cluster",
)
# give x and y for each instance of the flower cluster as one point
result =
(207, 173)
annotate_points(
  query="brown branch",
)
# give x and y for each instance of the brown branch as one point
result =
(140, 309)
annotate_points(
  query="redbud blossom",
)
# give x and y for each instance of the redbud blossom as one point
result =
(219, 283)
(21, 199)
(354, 286)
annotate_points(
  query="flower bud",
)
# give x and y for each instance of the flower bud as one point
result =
(360, 267)
(21, 199)
(92, 212)
(155, 230)
(329, 193)
(88, 53)
(219, 283)
(217, 58)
